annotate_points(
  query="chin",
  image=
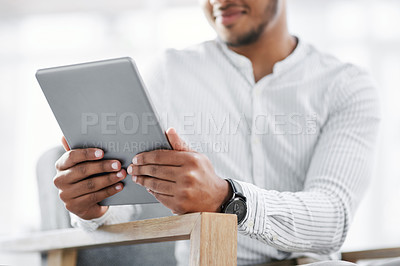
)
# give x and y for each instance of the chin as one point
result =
(231, 35)
(230, 40)
(227, 36)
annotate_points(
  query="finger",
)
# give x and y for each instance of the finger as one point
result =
(84, 170)
(91, 185)
(176, 142)
(65, 144)
(87, 169)
(96, 197)
(156, 185)
(164, 157)
(165, 200)
(74, 157)
(95, 211)
(165, 172)
(87, 212)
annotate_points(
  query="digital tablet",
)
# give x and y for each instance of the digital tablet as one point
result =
(105, 105)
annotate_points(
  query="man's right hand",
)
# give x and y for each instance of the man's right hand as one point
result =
(80, 192)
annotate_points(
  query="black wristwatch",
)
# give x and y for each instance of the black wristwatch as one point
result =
(237, 204)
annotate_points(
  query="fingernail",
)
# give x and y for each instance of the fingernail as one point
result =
(134, 160)
(130, 169)
(114, 165)
(134, 178)
(120, 175)
(98, 153)
(118, 187)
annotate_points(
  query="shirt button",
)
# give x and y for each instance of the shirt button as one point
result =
(256, 140)
(273, 238)
(250, 224)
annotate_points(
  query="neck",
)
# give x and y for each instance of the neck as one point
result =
(274, 45)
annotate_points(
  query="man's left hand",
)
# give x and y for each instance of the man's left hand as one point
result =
(181, 179)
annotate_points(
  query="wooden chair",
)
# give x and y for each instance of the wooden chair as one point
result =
(356, 256)
(213, 238)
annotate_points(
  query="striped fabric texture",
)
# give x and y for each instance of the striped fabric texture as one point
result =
(300, 142)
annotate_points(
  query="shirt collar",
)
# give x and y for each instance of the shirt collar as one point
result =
(244, 64)
(298, 55)
(238, 60)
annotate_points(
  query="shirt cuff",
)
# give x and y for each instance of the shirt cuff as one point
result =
(255, 208)
(114, 215)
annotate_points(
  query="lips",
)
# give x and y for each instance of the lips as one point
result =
(229, 16)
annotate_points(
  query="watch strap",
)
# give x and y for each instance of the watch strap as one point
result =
(237, 198)
(236, 188)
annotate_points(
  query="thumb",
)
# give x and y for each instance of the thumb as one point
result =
(65, 144)
(176, 142)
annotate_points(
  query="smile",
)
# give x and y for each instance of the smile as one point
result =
(229, 16)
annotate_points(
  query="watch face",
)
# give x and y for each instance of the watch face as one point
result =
(238, 207)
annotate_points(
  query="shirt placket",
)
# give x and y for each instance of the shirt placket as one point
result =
(257, 131)
(256, 139)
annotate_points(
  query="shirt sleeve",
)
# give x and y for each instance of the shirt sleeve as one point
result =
(114, 215)
(317, 219)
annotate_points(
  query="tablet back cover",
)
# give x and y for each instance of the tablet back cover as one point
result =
(105, 105)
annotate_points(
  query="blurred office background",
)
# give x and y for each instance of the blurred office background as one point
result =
(45, 33)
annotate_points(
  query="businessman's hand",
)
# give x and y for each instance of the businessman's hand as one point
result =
(81, 192)
(181, 179)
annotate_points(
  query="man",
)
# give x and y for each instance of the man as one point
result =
(297, 130)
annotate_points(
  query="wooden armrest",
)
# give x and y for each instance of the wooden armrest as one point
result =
(213, 237)
(355, 256)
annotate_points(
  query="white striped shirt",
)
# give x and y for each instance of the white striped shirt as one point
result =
(300, 141)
